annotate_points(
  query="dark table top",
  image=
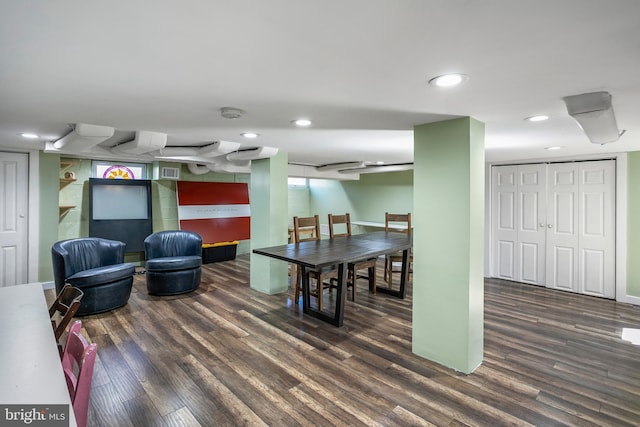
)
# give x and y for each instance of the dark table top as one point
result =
(326, 252)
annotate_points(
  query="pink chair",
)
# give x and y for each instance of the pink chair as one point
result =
(77, 362)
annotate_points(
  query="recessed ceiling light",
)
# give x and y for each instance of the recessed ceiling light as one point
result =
(539, 118)
(448, 80)
(379, 162)
(552, 148)
(249, 135)
(29, 135)
(302, 122)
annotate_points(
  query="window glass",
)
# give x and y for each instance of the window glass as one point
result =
(297, 182)
(113, 170)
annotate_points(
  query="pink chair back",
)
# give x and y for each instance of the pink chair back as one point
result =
(77, 362)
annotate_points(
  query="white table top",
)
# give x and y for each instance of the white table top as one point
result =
(30, 367)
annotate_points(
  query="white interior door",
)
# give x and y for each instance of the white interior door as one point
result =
(562, 227)
(597, 229)
(504, 218)
(13, 218)
(531, 222)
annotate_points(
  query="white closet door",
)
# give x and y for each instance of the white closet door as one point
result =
(532, 212)
(504, 218)
(562, 227)
(597, 229)
(13, 218)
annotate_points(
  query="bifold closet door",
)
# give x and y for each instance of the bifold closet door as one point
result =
(581, 229)
(518, 222)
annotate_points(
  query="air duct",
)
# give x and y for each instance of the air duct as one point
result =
(376, 169)
(143, 142)
(83, 137)
(594, 113)
(253, 154)
(341, 166)
(215, 149)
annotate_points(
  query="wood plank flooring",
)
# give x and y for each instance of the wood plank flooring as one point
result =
(226, 355)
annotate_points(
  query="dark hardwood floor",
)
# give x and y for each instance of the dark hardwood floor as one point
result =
(228, 355)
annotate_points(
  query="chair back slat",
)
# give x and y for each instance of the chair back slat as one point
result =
(66, 305)
(339, 220)
(397, 219)
(306, 226)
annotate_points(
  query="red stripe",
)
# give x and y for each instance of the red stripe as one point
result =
(212, 193)
(214, 230)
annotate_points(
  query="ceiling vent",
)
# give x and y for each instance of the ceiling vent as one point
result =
(594, 113)
(253, 153)
(83, 137)
(144, 142)
(169, 173)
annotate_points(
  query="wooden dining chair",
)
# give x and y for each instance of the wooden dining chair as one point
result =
(344, 222)
(307, 229)
(396, 223)
(78, 360)
(63, 309)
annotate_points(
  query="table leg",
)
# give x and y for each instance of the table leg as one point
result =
(338, 315)
(404, 278)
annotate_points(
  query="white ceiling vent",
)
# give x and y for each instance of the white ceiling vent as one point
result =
(83, 137)
(594, 113)
(143, 142)
(169, 173)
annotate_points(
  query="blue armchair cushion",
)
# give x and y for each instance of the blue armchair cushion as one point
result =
(174, 263)
(101, 275)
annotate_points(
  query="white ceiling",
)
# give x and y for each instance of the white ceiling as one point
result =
(358, 68)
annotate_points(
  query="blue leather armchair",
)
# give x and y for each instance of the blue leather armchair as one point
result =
(174, 262)
(96, 266)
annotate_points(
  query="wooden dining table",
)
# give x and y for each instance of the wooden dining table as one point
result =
(339, 252)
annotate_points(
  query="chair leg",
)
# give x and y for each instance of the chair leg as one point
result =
(351, 278)
(372, 280)
(386, 261)
(297, 285)
(319, 287)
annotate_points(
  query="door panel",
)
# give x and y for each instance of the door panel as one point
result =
(562, 236)
(532, 218)
(13, 218)
(504, 218)
(597, 228)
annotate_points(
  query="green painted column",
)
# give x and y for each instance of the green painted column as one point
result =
(633, 226)
(448, 221)
(269, 203)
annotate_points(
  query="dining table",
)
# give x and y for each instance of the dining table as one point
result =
(32, 381)
(338, 253)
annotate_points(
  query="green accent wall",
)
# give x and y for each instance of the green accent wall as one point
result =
(366, 200)
(48, 181)
(448, 222)
(633, 224)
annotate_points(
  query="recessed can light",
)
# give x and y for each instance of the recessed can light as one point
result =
(302, 122)
(539, 118)
(249, 135)
(552, 148)
(448, 80)
(29, 135)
